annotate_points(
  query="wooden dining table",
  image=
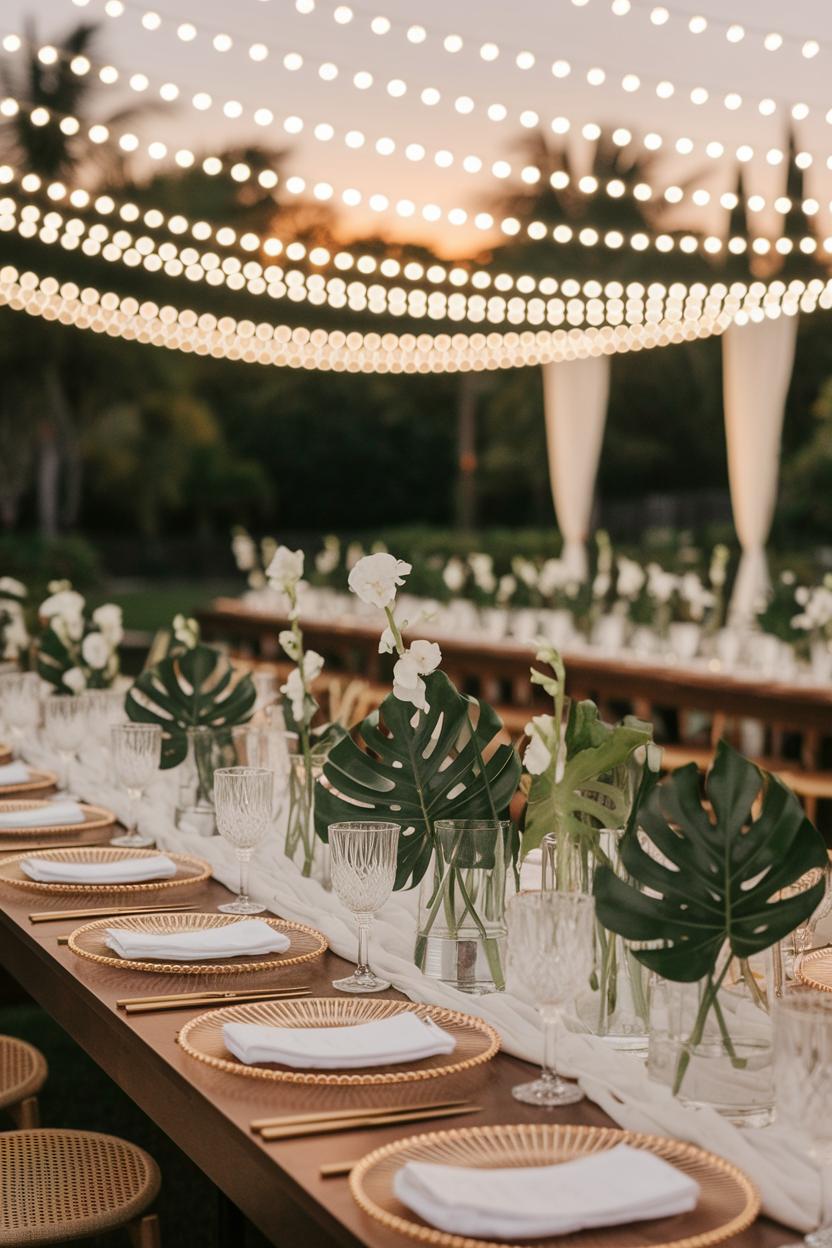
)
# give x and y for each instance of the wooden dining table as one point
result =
(207, 1113)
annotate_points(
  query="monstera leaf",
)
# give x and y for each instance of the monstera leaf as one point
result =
(419, 767)
(196, 688)
(712, 881)
(592, 788)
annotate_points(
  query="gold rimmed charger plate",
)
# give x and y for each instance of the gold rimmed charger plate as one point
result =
(189, 870)
(39, 780)
(815, 969)
(728, 1201)
(94, 817)
(476, 1042)
(89, 942)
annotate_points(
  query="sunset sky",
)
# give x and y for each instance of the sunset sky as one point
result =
(588, 37)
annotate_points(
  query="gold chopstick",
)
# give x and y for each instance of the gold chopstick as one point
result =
(25, 849)
(337, 1169)
(362, 1123)
(54, 916)
(335, 1115)
(198, 1002)
(231, 995)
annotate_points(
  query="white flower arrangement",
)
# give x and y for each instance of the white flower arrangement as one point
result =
(374, 580)
(75, 653)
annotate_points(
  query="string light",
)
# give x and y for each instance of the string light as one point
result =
(385, 146)
(329, 71)
(301, 347)
(380, 202)
(575, 304)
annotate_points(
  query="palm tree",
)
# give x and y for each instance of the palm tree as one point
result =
(52, 154)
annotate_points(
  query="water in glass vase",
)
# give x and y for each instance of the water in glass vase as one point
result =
(462, 900)
(615, 1004)
(711, 1042)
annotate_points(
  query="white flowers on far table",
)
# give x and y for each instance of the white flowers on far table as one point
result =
(75, 653)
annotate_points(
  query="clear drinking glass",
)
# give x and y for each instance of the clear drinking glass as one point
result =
(137, 752)
(803, 1078)
(65, 725)
(363, 875)
(20, 702)
(105, 707)
(549, 960)
(243, 799)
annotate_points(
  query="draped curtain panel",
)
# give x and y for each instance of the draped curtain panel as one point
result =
(575, 394)
(756, 369)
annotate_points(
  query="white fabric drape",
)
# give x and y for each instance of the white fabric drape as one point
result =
(756, 369)
(575, 396)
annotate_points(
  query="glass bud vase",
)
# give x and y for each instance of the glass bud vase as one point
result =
(462, 901)
(307, 851)
(615, 1004)
(208, 749)
(711, 1041)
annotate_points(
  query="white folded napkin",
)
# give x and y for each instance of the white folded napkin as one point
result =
(123, 871)
(620, 1185)
(403, 1038)
(51, 813)
(233, 940)
(14, 773)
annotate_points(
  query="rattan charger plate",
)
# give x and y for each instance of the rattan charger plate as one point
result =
(88, 942)
(189, 870)
(815, 969)
(728, 1201)
(94, 817)
(476, 1042)
(38, 781)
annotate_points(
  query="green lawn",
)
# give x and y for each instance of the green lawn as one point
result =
(149, 605)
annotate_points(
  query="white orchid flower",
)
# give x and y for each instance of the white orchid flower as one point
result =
(75, 680)
(375, 578)
(285, 569)
(537, 757)
(95, 651)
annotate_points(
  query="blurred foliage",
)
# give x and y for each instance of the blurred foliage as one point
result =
(36, 561)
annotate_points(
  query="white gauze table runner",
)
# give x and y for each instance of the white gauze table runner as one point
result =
(793, 1189)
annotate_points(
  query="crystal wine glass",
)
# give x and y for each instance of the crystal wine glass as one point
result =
(243, 798)
(65, 725)
(803, 1079)
(137, 752)
(549, 959)
(363, 875)
(20, 701)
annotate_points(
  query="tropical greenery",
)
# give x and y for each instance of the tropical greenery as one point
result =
(191, 688)
(442, 766)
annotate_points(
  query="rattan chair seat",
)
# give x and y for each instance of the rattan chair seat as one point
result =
(58, 1185)
(23, 1071)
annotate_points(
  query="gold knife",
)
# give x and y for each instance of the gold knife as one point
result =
(362, 1123)
(337, 1169)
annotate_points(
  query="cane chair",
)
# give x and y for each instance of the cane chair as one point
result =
(23, 1072)
(61, 1185)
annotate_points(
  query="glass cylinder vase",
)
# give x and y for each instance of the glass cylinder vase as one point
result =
(711, 1041)
(615, 1003)
(462, 901)
(302, 845)
(208, 749)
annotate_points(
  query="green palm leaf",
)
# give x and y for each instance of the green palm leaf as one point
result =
(715, 881)
(196, 688)
(418, 767)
